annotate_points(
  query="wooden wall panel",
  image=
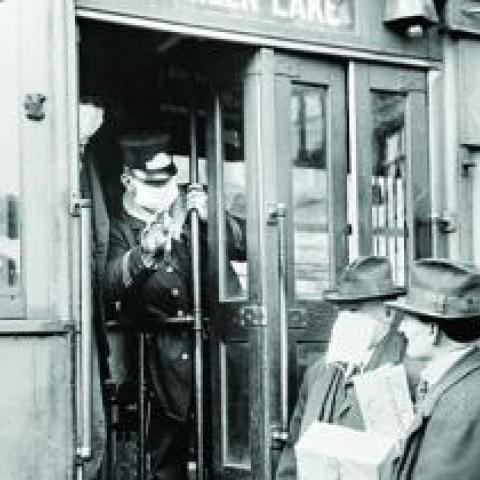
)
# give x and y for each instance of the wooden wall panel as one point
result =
(11, 300)
(469, 92)
(35, 401)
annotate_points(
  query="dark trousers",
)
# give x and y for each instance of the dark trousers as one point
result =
(168, 446)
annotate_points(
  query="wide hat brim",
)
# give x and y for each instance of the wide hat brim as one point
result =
(442, 289)
(336, 296)
(365, 279)
(405, 305)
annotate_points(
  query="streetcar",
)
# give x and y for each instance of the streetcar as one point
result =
(333, 128)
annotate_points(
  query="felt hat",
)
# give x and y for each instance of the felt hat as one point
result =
(442, 290)
(146, 157)
(366, 278)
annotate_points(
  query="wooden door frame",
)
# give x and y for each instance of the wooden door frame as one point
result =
(413, 84)
(259, 144)
(311, 315)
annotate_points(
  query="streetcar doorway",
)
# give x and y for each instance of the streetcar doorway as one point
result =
(314, 160)
(164, 85)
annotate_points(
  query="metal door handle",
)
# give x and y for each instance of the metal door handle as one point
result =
(282, 266)
(84, 450)
(277, 215)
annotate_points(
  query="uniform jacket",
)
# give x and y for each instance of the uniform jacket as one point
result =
(444, 441)
(154, 295)
(326, 395)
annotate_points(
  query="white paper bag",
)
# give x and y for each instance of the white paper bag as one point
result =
(384, 400)
(333, 452)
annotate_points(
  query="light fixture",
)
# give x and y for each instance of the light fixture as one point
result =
(410, 16)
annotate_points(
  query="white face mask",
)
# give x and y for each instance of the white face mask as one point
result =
(353, 335)
(154, 197)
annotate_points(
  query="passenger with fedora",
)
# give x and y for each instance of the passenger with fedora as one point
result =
(327, 392)
(149, 272)
(441, 322)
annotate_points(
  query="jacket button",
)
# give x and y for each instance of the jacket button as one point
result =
(185, 356)
(175, 292)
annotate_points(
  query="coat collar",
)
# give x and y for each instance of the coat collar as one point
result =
(469, 363)
(390, 349)
(135, 223)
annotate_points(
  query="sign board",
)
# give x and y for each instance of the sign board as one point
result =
(269, 15)
(326, 14)
(268, 22)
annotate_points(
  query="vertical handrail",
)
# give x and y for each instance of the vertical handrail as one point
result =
(282, 278)
(277, 216)
(197, 304)
(142, 394)
(84, 450)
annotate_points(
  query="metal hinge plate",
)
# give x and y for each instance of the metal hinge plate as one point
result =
(253, 316)
(77, 203)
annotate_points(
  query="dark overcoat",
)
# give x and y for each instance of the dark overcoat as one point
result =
(444, 441)
(326, 395)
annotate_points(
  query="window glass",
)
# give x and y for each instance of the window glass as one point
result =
(310, 191)
(236, 414)
(476, 207)
(9, 228)
(389, 234)
(232, 207)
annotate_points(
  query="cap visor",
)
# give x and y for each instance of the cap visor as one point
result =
(159, 176)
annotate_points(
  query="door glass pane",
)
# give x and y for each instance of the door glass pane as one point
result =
(235, 408)
(309, 191)
(388, 180)
(475, 207)
(9, 227)
(232, 208)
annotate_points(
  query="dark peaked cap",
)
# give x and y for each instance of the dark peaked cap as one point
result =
(145, 155)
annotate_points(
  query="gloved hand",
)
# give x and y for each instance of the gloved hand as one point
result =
(155, 236)
(197, 200)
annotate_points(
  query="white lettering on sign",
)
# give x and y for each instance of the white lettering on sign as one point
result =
(336, 13)
(234, 5)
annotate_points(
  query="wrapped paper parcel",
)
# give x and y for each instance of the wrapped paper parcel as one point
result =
(333, 452)
(385, 401)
